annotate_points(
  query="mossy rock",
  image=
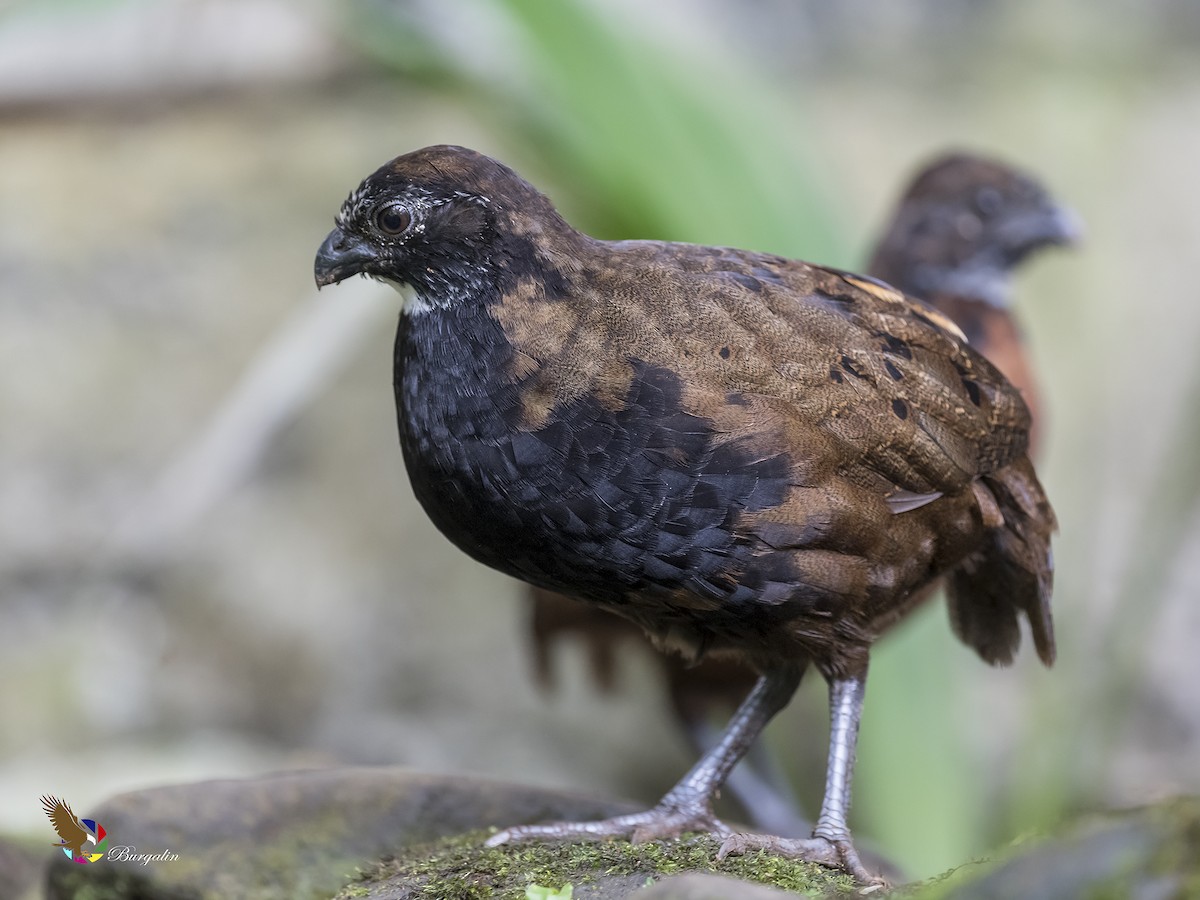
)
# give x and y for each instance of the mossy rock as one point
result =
(295, 835)
(307, 834)
(1151, 853)
(701, 886)
(462, 868)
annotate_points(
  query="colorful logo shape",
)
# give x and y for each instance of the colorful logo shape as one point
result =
(75, 833)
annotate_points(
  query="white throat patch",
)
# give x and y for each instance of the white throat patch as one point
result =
(411, 302)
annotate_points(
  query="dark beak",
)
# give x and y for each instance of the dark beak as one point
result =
(1047, 226)
(1064, 226)
(341, 256)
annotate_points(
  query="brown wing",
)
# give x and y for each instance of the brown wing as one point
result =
(925, 411)
(814, 396)
(65, 823)
(883, 386)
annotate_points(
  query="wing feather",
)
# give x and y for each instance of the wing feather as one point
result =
(870, 381)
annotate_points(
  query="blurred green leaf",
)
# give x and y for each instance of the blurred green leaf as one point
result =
(687, 150)
(652, 144)
(537, 892)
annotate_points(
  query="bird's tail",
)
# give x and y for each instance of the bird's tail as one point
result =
(554, 616)
(1013, 572)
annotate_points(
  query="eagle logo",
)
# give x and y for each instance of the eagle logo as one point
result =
(74, 833)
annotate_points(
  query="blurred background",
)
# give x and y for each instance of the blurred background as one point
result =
(211, 562)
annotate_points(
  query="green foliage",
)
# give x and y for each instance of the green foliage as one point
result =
(652, 143)
(687, 149)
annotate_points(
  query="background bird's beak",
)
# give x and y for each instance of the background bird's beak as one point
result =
(1049, 225)
(1064, 226)
(340, 256)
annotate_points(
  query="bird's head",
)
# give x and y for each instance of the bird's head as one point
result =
(439, 224)
(967, 221)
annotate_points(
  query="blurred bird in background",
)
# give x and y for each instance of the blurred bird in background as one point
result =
(959, 231)
(961, 228)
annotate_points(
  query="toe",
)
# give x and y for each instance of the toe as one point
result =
(737, 844)
(848, 857)
(834, 854)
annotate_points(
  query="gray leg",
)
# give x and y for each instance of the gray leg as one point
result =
(688, 805)
(830, 844)
(759, 786)
(845, 711)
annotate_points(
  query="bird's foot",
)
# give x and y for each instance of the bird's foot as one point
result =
(667, 820)
(836, 854)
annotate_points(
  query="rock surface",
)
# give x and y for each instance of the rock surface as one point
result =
(394, 834)
(293, 835)
(21, 867)
(1151, 853)
(697, 886)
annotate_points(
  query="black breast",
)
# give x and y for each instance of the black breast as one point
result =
(598, 503)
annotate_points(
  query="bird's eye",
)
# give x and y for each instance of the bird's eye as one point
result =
(988, 201)
(393, 220)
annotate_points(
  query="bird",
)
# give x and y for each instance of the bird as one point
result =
(961, 226)
(746, 455)
(70, 830)
(960, 229)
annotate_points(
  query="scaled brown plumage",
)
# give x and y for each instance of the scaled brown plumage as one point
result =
(961, 227)
(741, 453)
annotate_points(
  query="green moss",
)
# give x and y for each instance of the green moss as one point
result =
(461, 868)
(117, 885)
(1179, 855)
